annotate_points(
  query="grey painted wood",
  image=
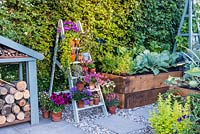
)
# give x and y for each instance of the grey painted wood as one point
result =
(16, 46)
(20, 71)
(11, 60)
(32, 79)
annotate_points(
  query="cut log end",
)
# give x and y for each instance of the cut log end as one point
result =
(3, 91)
(15, 109)
(2, 120)
(18, 95)
(21, 85)
(10, 118)
(6, 110)
(26, 94)
(9, 99)
(26, 108)
(20, 116)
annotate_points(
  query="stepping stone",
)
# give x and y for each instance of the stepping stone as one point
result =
(9, 130)
(119, 124)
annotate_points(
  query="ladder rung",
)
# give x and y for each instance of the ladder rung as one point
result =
(196, 34)
(188, 15)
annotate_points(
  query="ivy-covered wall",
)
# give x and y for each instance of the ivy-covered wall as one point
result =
(136, 24)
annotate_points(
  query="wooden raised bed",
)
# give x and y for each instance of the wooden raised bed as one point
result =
(184, 91)
(139, 90)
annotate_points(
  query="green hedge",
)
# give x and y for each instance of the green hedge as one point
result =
(137, 24)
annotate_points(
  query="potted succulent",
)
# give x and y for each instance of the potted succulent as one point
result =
(58, 102)
(44, 103)
(91, 67)
(92, 79)
(112, 101)
(82, 97)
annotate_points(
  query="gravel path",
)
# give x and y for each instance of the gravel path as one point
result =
(88, 118)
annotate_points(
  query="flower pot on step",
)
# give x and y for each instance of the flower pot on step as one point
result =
(80, 104)
(45, 114)
(96, 101)
(112, 109)
(56, 116)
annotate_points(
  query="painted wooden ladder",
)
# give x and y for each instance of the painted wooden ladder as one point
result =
(71, 78)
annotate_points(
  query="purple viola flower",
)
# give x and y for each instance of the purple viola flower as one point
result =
(86, 102)
(73, 89)
(66, 28)
(68, 23)
(179, 119)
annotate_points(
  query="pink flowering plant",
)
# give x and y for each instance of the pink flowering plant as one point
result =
(93, 78)
(84, 95)
(112, 99)
(58, 101)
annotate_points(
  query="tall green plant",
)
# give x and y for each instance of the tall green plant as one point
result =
(170, 118)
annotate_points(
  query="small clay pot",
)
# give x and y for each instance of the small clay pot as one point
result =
(73, 43)
(80, 104)
(92, 85)
(96, 101)
(91, 103)
(112, 109)
(92, 70)
(80, 85)
(73, 57)
(56, 116)
(45, 114)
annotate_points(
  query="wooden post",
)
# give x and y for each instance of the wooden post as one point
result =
(20, 71)
(31, 71)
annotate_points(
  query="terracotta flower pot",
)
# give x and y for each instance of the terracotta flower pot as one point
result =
(91, 103)
(56, 116)
(92, 70)
(73, 43)
(80, 58)
(80, 104)
(112, 109)
(85, 69)
(73, 57)
(92, 85)
(80, 86)
(45, 114)
(77, 42)
(96, 101)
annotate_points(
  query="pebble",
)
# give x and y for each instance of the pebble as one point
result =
(88, 117)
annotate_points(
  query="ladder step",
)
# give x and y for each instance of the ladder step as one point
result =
(88, 107)
(186, 34)
(188, 15)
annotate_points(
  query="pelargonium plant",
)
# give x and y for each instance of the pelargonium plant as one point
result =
(59, 101)
(93, 78)
(84, 95)
(112, 99)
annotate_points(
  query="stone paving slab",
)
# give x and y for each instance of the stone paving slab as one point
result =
(45, 127)
(119, 124)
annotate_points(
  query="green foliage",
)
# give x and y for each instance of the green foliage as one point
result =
(154, 24)
(170, 119)
(154, 62)
(195, 110)
(44, 101)
(135, 24)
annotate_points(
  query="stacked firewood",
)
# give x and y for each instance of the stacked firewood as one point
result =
(7, 52)
(14, 103)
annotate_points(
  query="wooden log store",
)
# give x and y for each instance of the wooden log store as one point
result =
(15, 105)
